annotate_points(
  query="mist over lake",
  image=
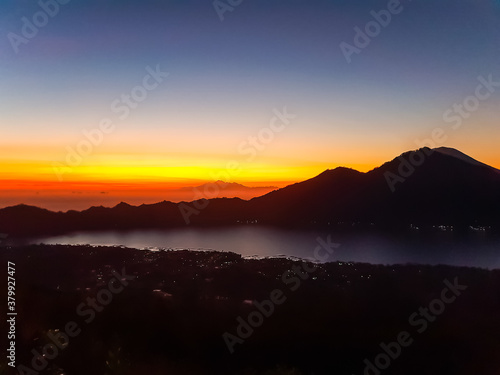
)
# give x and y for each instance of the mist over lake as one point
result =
(475, 249)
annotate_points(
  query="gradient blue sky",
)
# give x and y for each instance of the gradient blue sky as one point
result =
(227, 77)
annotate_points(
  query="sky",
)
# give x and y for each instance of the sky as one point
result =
(178, 93)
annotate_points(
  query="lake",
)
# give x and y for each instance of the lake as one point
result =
(474, 249)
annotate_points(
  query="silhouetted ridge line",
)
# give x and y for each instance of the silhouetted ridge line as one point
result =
(445, 187)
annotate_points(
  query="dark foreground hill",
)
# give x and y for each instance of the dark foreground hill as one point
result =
(167, 312)
(424, 187)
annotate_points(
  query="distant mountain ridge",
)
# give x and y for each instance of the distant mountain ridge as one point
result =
(423, 187)
(227, 186)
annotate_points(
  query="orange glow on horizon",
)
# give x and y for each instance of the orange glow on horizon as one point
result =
(148, 178)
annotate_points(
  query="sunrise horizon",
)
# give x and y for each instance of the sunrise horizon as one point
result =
(93, 107)
(74, 194)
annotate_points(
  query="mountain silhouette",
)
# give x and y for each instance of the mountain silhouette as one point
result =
(444, 185)
(424, 187)
(227, 186)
